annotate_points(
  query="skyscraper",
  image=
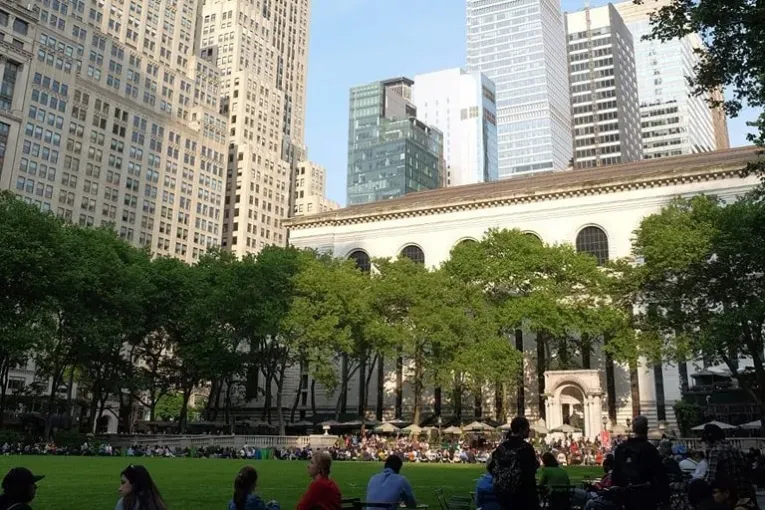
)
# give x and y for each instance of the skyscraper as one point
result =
(521, 46)
(604, 96)
(390, 152)
(261, 49)
(118, 120)
(462, 106)
(674, 121)
(310, 190)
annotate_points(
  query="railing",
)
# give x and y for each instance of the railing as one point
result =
(229, 441)
(742, 443)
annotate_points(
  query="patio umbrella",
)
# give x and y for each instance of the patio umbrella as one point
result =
(752, 425)
(399, 423)
(538, 428)
(387, 428)
(429, 430)
(618, 429)
(413, 429)
(566, 428)
(478, 426)
(305, 424)
(330, 423)
(506, 426)
(724, 426)
(452, 430)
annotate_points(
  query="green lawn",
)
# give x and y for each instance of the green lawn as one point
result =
(206, 484)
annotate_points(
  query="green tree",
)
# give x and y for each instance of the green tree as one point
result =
(29, 265)
(169, 407)
(702, 284)
(734, 57)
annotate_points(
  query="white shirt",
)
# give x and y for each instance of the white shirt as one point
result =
(701, 469)
(688, 465)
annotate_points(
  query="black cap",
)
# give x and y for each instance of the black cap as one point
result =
(20, 477)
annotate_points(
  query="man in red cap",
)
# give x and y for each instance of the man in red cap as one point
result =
(19, 489)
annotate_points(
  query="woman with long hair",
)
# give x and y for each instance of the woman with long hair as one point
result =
(137, 490)
(244, 492)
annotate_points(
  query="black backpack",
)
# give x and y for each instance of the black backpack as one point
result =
(506, 471)
(632, 464)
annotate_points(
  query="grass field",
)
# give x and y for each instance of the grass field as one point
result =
(206, 484)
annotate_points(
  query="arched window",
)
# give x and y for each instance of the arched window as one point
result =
(413, 253)
(593, 240)
(361, 259)
(467, 241)
(533, 235)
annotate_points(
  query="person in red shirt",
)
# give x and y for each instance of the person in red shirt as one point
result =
(323, 493)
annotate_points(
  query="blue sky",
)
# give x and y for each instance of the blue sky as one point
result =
(353, 42)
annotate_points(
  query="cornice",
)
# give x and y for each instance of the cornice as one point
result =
(584, 189)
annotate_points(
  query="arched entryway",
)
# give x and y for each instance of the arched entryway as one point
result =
(574, 397)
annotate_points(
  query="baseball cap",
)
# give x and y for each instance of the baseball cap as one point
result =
(19, 477)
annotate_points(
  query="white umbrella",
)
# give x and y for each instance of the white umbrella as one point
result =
(452, 430)
(618, 429)
(566, 428)
(724, 426)
(478, 426)
(413, 429)
(539, 428)
(506, 426)
(752, 425)
(387, 428)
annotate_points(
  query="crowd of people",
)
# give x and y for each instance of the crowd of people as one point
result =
(638, 475)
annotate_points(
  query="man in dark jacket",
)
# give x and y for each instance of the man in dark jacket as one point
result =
(514, 468)
(637, 463)
(19, 489)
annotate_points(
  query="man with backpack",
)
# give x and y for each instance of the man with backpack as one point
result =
(513, 468)
(638, 469)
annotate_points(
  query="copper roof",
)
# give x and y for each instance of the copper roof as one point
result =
(644, 173)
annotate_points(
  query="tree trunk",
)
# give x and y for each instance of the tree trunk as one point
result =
(457, 397)
(94, 399)
(541, 367)
(55, 382)
(214, 403)
(101, 409)
(296, 402)
(478, 406)
(658, 377)
(682, 370)
(635, 387)
(362, 407)
(521, 403)
(610, 384)
(399, 385)
(184, 409)
(344, 385)
(437, 401)
(586, 351)
(266, 415)
(418, 387)
(380, 387)
(5, 370)
(279, 397)
(227, 403)
(370, 373)
(499, 402)
(70, 392)
(313, 397)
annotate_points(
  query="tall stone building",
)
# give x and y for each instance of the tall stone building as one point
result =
(261, 50)
(311, 190)
(117, 120)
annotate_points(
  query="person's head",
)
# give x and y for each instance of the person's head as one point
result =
(724, 491)
(665, 448)
(137, 486)
(244, 484)
(640, 426)
(698, 492)
(20, 485)
(698, 455)
(320, 465)
(520, 427)
(712, 434)
(548, 459)
(608, 463)
(394, 463)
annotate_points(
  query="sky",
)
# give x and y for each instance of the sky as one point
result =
(354, 42)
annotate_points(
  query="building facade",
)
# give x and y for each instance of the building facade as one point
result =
(261, 49)
(310, 190)
(521, 46)
(463, 107)
(596, 211)
(604, 98)
(116, 125)
(390, 151)
(673, 120)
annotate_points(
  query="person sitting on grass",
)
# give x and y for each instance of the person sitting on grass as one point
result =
(19, 489)
(138, 491)
(322, 493)
(244, 496)
(391, 487)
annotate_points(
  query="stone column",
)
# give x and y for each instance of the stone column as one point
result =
(587, 432)
(597, 411)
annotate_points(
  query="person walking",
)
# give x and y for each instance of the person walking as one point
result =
(244, 492)
(390, 486)
(138, 491)
(19, 489)
(727, 464)
(323, 493)
(514, 469)
(638, 468)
